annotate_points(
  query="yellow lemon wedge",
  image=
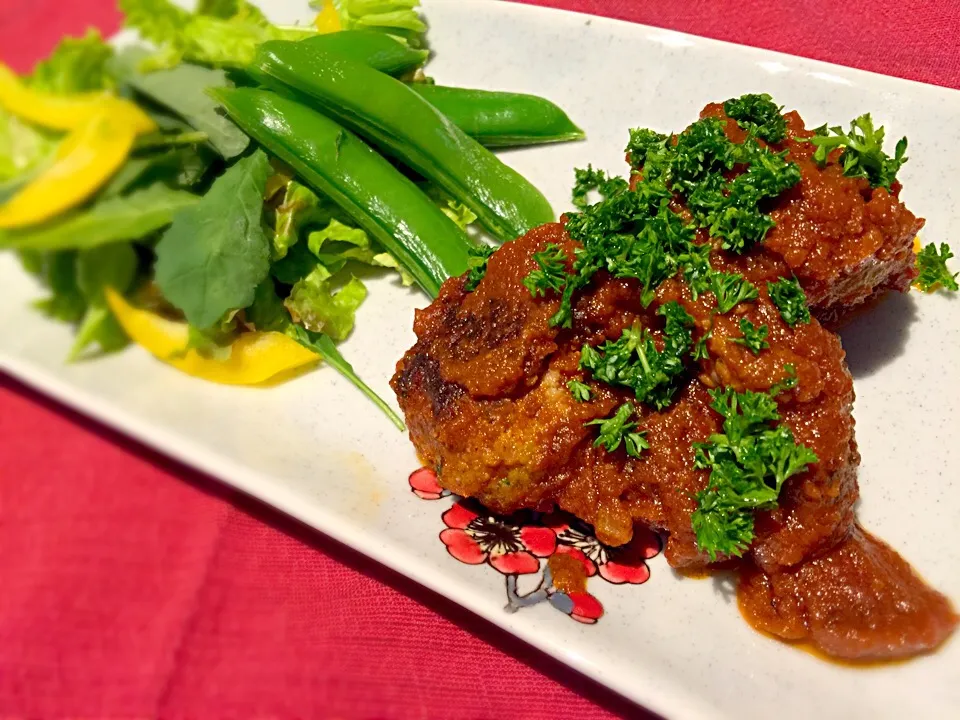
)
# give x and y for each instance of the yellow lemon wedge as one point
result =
(255, 357)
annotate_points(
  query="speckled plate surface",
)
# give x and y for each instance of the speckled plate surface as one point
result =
(318, 451)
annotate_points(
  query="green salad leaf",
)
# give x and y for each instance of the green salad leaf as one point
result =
(183, 90)
(331, 238)
(299, 208)
(180, 168)
(216, 253)
(75, 65)
(206, 38)
(394, 17)
(318, 305)
(113, 266)
(58, 273)
(267, 313)
(114, 219)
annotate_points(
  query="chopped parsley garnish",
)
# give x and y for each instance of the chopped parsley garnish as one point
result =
(633, 361)
(588, 180)
(700, 351)
(754, 338)
(650, 150)
(863, 154)
(932, 271)
(551, 276)
(759, 115)
(477, 264)
(580, 391)
(748, 463)
(731, 290)
(790, 300)
(617, 429)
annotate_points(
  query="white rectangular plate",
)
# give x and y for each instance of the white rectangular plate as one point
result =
(315, 449)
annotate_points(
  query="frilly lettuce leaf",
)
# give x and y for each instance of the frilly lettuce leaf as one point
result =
(300, 206)
(75, 65)
(331, 237)
(338, 243)
(453, 209)
(208, 37)
(394, 17)
(316, 303)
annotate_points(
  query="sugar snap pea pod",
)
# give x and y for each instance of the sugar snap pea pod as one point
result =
(375, 194)
(376, 49)
(403, 124)
(501, 119)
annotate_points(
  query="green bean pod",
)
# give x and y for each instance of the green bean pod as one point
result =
(376, 49)
(375, 194)
(403, 124)
(501, 119)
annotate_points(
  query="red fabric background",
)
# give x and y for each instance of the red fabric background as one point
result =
(132, 586)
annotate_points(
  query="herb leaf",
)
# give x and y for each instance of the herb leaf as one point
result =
(552, 274)
(863, 154)
(754, 338)
(580, 391)
(633, 361)
(790, 300)
(590, 179)
(215, 254)
(477, 265)
(932, 269)
(731, 290)
(759, 115)
(748, 463)
(616, 429)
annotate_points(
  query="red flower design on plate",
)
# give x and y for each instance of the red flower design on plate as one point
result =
(581, 606)
(626, 564)
(474, 537)
(425, 485)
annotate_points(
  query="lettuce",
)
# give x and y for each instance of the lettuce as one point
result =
(394, 17)
(208, 37)
(316, 303)
(75, 65)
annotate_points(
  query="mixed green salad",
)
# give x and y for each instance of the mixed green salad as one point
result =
(218, 192)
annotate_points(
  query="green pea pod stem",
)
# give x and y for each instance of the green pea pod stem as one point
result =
(376, 49)
(375, 194)
(501, 119)
(404, 125)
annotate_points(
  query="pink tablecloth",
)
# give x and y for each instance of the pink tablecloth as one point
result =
(131, 586)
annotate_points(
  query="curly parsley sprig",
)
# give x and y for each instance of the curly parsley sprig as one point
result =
(932, 271)
(749, 462)
(863, 154)
(759, 115)
(618, 429)
(477, 265)
(790, 300)
(754, 338)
